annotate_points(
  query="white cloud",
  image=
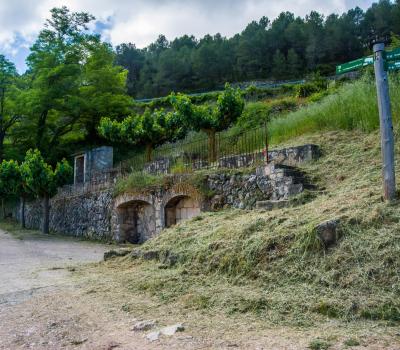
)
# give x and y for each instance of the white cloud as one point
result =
(141, 21)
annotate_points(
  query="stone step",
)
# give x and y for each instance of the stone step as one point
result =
(272, 204)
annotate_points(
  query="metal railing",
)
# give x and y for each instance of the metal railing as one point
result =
(233, 150)
(226, 150)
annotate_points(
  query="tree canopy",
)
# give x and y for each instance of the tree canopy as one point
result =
(43, 180)
(72, 80)
(287, 47)
(209, 118)
(149, 129)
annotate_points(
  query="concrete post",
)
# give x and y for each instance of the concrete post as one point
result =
(386, 125)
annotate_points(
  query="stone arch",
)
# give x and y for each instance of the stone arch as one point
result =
(136, 219)
(180, 207)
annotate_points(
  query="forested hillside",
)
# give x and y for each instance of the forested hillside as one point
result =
(74, 78)
(286, 47)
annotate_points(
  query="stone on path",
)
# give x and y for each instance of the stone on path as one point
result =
(171, 330)
(144, 325)
(153, 336)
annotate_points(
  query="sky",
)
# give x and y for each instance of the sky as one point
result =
(141, 21)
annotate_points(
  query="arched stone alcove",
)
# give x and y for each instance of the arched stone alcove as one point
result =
(136, 221)
(180, 208)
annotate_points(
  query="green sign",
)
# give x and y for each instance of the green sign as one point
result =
(393, 65)
(393, 55)
(353, 65)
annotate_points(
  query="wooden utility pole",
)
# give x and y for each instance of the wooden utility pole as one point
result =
(386, 125)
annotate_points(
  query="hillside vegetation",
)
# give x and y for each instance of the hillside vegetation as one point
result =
(271, 263)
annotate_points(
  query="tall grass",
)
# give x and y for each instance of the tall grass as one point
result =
(353, 106)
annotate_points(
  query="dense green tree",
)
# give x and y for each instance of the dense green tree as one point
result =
(209, 119)
(72, 81)
(279, 65)
(103, 91)
(9, 181)
(42, 180)
(132, 58)
(9, 94)
(294, 64)
(149, 129)
(12, 185)
(319, 44)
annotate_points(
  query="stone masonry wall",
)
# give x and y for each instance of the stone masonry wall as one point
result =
(97, 215)
(243, 191)
(85, 216)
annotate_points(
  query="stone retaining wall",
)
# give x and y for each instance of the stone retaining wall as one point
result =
(138, 217)
(86, 216)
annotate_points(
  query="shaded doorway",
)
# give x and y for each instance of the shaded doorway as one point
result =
(136, 221)
(180, 208)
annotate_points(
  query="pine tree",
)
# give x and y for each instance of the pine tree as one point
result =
(294, 64)
(279, 65)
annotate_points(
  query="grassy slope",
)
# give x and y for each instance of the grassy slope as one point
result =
(271, 264)
(353, 106)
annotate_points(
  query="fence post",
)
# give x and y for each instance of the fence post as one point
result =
(266, 142)
(386, 125)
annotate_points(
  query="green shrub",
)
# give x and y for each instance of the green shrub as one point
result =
(254, 114)
(283, 105)
(180, 167)
(388, 312)
(307, 89)
(351, 342)
(319, 344)
(136, 181)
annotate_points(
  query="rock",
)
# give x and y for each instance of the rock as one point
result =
(144, 326)
(153, 336)
(151, 255)
(217, 202)
(272, 204)
(113, 345)
(169, 259)
(171, 330)
(136, 254)
(328, 232)
(114, 253)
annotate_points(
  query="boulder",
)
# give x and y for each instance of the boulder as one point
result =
(114, 253)
(171, 330)
(328, 232)
(144, 326)
(153, 336)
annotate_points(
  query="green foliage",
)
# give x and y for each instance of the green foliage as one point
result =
(209, 119)
(254, 114)
(149, 129)
(71, 82)
(352, 342)
(307, 89)
(10, 179)
(319, 344)
(287, 47)
(352, 106)
(40, 177)
(228, 109)
(136, 182)
(387, 311)
(179, 167)
(9, 95)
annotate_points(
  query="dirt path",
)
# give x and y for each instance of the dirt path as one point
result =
(50, 298)
(39, 262)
